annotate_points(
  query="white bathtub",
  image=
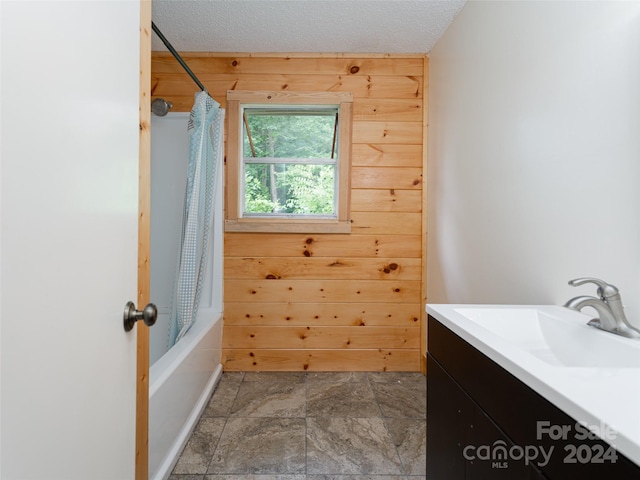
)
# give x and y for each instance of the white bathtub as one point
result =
(179, 385)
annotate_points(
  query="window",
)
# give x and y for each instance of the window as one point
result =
(288, 162)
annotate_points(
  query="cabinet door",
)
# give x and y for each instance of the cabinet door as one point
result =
(487, 440)
(462, 441)
(444, 437)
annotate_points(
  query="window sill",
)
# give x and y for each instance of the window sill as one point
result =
(289, 226)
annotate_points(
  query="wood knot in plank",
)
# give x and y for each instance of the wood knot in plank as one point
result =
(389, 268)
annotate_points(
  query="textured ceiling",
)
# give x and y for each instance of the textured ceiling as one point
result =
(313, 26)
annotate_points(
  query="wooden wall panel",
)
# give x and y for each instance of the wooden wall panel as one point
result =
(340, 314)
(340, 359)
(382, 86)
(231, 64)
(351, 268)
(329, 302)
(321, 245)
(391, 200)
(321, 337)
(386, 177)
(319, 291)
(388, 110)
(386, 223)
(406, 133)
(377, 155)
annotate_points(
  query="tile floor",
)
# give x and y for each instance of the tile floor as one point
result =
(310, 426)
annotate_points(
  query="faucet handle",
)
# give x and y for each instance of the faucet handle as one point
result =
(605, 290)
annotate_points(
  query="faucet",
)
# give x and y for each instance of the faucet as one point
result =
(608, 305)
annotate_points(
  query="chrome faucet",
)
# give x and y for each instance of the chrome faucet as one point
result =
(608, 305)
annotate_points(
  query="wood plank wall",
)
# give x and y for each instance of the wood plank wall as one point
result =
(329, 302)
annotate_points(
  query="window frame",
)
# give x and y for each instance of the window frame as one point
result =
(234, 219)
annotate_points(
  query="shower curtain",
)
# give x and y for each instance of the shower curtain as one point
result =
(205, 159)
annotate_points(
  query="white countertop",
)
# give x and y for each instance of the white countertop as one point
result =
(607, 397)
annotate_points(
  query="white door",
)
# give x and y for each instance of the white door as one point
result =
(69, 183)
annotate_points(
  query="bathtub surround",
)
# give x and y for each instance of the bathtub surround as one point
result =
(297, 426)
(169, 163)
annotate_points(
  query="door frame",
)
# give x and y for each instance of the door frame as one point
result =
(144, 241)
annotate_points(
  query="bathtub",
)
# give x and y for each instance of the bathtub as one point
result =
(180, 383)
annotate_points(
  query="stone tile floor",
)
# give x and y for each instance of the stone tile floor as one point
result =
(310, 426)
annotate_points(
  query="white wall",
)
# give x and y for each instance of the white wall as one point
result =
(534, 153)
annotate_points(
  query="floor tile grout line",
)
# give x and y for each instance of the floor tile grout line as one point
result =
(226, 418)
(384, 421)
(306, 427)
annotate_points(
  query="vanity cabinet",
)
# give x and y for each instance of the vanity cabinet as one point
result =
(483, 422)
(455, 422)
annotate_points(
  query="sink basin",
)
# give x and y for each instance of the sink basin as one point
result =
(556, 336)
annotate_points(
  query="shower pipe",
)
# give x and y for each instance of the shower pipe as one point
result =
(177, 56)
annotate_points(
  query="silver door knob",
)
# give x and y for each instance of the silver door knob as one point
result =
(149, 315)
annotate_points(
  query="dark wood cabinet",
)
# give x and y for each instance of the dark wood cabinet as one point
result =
(457, 428)
(481, 419)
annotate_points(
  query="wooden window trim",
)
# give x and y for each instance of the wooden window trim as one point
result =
(234, 221)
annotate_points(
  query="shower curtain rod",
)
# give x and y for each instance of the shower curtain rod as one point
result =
(177, 56)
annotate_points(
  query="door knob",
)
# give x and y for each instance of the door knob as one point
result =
(149, 315)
